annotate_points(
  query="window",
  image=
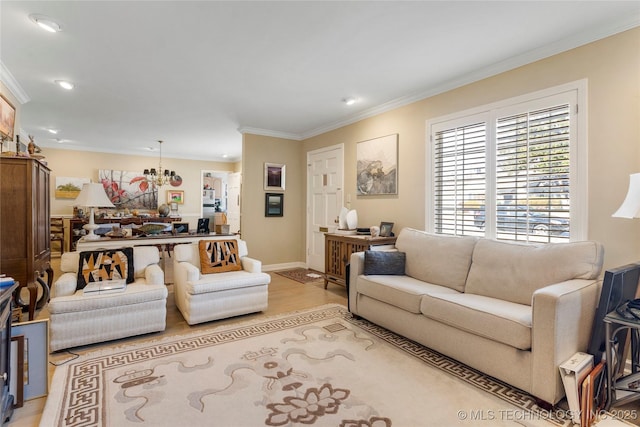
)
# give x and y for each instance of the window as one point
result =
(514, 170)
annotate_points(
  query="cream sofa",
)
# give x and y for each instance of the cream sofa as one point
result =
(78, 319)
(205, 297)
(513, 311)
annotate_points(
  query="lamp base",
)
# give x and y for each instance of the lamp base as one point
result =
(90, 230)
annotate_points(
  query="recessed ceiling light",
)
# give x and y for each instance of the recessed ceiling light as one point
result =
(65, 84)
(53, 131)
(224, 156)
(349, 101)
(45, 23)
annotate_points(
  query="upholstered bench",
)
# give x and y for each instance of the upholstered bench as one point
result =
(79, 318)
(230, 284)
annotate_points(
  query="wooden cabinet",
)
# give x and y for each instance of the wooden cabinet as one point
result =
(25, 249)
(338, 249)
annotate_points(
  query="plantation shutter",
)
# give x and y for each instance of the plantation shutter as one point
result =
(532, 175)
(459, 178)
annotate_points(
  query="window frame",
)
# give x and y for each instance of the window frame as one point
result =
(576, 94)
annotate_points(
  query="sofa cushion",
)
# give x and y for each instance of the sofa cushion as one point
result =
(111, 264)
(136, 293)
(219, 282)
(502, 321)
(69, 262)
(437, 259)
(381, 262)
(401, 291)
(217, 256)
(513, 272)
(144, 256)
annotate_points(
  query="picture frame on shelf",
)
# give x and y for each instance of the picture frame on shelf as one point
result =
(16, 372)
(36, 356)
(180, 227)
(203, 226)
(175, 196)
(7, 119)
(274, 176)
(274, 204)
(385, 229)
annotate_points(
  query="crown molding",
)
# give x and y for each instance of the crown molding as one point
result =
(12, 84)
(586, 37)
(272, 133)
(71, 146)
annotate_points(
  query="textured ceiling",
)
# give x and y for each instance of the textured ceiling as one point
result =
(196, 73)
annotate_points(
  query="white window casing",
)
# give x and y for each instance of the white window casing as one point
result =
(515, 169)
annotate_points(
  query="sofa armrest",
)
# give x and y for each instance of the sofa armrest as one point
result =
(251, 265)
(356, 268)
(562, 321)
(154, 275)
(65, 285)
(184, 271)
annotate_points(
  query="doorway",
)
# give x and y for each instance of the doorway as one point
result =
(221, 199)
(325, 181)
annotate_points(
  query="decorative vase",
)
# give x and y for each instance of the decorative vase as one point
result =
(164, 210)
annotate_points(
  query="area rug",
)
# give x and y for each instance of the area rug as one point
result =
(302, 275)
(316, 367)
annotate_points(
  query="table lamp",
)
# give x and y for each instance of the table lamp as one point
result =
(93, 196)
(630, 207)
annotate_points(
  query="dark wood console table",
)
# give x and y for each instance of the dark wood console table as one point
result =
(77, 223)
(338, 249)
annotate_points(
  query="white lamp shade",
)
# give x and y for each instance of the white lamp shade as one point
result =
(93, 196)
(630, 208)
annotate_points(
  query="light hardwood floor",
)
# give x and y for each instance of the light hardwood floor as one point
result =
(284, 296)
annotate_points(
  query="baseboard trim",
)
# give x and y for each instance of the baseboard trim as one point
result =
(284, 266)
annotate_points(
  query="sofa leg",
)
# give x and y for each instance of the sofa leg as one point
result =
(544, 405)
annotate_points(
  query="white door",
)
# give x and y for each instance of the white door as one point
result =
(233, 201)
(325, 170)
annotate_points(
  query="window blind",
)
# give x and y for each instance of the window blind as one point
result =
(532, 175)
(459, 178)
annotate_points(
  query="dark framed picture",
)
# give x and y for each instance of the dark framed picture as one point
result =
(36, 357)
(274, 177)
(203, 225)
(7, 119)
(385, 229)
(181, 227)
(273, 204)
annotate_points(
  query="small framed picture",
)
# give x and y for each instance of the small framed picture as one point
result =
(385, 229)
(203, 225)
(181, 227)
(274, 177)
(36, 357)
(7, 119)
(273, 204)
(175, 196)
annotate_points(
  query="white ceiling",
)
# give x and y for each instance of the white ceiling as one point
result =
(196, 73)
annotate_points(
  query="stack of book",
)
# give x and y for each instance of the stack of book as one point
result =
(585, 387)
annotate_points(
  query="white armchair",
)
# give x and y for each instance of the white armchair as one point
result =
(79, 319)
(204, 297)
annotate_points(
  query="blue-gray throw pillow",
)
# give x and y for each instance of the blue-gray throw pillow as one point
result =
(381, 262)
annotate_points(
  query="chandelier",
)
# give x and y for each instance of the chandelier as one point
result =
(158, 177)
